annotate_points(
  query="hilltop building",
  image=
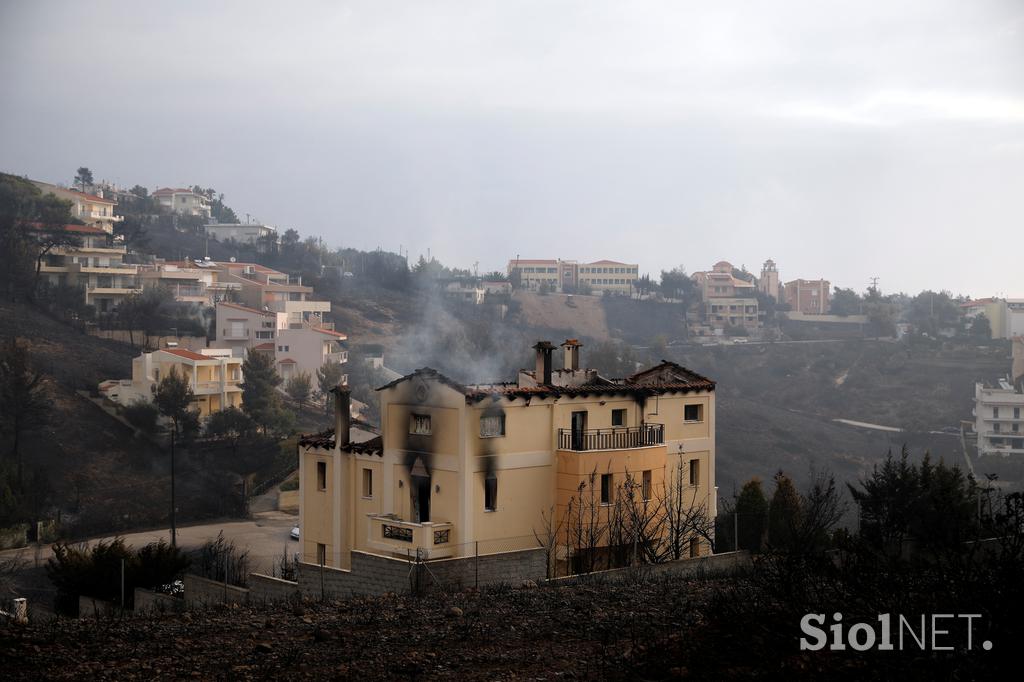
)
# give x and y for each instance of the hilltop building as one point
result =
(243, 233)
(729, 301)
(92, 209)
(96, 265)
(808, 296)
(568, 275)
(769, 283)
(487, 464)
(214, 375)
(188, 281)
(999, 410)
(182, 202)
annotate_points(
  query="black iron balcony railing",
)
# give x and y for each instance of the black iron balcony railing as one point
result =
(619, 438)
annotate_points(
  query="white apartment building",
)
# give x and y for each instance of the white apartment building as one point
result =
(999, 410)
(243, 233)
(182, 201)
(91, 209)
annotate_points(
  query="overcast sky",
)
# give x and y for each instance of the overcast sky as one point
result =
(845, 140)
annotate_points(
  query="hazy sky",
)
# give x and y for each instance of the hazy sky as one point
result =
(843, 139)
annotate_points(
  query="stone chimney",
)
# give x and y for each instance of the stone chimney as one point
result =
(1017, 371)
(572, 354)
(342, 416)
(542, 369)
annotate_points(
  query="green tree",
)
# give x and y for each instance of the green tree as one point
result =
(981, 327)
(143, 415)
(327, 377)
(173, 398)
(24, 403)
(675, 283)
(845, 302)
(784, 514)
(83, 178)
(231, 425)
(752, 509)
(299, 388)
(260, 398)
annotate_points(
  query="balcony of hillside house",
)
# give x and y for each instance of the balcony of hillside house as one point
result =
(433, 539)
(617, 438)
(341, 357)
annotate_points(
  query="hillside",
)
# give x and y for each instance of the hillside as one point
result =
(558, 315)
(98, 474)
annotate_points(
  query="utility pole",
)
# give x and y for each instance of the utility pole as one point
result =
(174, 528)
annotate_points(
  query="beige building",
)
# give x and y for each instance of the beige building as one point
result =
(91, 209)
(496, 465)
(188, 281)
(568, 275)
(769, 283)
(728, 300)
(264, 288)
(214, 376)
(182, 202)
(96, 265)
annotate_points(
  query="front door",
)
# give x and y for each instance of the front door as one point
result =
(420, 491)
(579, 425)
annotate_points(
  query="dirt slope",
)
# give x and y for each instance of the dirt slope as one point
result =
(585, 318)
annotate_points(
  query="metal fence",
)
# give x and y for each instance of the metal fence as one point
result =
(611, 439)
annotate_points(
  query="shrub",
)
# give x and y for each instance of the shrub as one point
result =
(142, 414)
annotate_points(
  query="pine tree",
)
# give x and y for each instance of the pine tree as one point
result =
(784, 514)
(260, 399)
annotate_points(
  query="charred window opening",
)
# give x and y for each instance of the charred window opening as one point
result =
(646, 486)
(491, 493)
(693, 413)
(321, 475)
(419, 424)
(492, 426)
(619, 417)
(694, 472)
(368, 483)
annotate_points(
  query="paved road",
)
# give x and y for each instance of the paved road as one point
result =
(266, 536)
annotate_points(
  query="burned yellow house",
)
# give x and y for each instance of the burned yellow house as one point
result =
(500, 467)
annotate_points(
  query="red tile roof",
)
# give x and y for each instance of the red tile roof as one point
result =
(264, 346)
(167, 190)
(245, 308)
(287, 361)
(330, 331)
(190, 355)
(79, 229)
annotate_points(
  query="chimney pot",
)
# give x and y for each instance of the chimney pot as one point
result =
(542, 370)
(342, 416)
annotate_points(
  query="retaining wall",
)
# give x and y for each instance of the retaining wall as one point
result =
(268, 588)
(201, 591)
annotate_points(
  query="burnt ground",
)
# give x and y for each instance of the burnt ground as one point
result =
(634, 629)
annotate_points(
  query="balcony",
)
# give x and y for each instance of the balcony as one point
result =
(234, 334)
(340, 357)
(624, 438)
(434, 540)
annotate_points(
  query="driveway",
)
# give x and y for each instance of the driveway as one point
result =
(266, 536)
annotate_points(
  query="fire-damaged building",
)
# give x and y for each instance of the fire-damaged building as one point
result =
(492, 465)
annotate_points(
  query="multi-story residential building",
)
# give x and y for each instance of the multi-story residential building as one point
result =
(995, 309)
(188, 281)
(458, 464)
(243, 233)
(999, 410)
(182, 202)
(769, 283)
(568, 275)
(91, 209)
(808, 296)
(1014, 317)
(729, 301)
(264, 288)
(96, 265)
(214, 375)
(294, 348)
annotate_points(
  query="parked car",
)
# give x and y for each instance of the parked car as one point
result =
(295, 532)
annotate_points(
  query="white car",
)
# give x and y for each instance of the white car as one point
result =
(295, 533)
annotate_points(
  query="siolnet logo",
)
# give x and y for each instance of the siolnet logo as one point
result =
(935, 632)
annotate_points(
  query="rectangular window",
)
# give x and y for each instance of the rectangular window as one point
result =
(1016, 413)
(419, 424)
(646, 486)
(492, 426)
(693, 413)
(321, 475)
(694, 472)
(694, 548)
(491, 493)
(619, 417)
(995, 427)
(606, 488)
(321, 554)
(368, 483)
(995, 413)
